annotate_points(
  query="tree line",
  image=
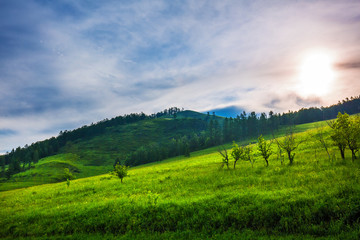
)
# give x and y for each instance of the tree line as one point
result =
(344, 134)
(254, 124)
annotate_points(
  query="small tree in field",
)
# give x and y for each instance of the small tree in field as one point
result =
(345, 133)
(237, 153)
(352, 134)
(338, 134)
(68, 175)
(320, 137)
(280, 155)
(265, 149)
(355, 144)
(247, 155)
(121, 171)
(225, 159)
(289, 144)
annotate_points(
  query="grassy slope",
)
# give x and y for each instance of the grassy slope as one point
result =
(105, 148)
(91, 157)
(193, 198)
(96, 156)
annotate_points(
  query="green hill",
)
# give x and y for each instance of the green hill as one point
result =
(94, 156)
(194, 198)
(136, 139)
(97, 155)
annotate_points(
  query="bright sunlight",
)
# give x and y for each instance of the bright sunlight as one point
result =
(316, 74)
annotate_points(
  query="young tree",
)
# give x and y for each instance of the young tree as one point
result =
(289, 144)
(265, 149)
(68, 175)
(247, 155)
(237, 153)
(225, 159)
(320, 138)
(280, 155)
(345, 132)
(353, 136)
(338, 135)
(121, 171)
(338, 138)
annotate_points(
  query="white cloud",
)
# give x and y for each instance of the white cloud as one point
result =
(113, 58)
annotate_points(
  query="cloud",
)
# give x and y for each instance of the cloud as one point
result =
(7, 132)
(348, 65)
(273, 103)
(75, 62)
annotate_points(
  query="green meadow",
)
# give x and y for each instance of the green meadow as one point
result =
(94, 156)
(195, 198)
(91, 157)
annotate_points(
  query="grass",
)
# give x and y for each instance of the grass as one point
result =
(193, 198)
(96, 155)
(51, 170)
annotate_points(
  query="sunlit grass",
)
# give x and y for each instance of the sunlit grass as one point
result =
(195, 198)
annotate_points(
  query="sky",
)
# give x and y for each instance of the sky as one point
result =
(64, 63)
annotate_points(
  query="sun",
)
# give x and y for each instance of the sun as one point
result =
(316, 74)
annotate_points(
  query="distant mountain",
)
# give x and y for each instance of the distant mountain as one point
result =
(230, 111)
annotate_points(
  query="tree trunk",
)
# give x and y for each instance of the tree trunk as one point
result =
(290, 157)
(353, 154)
(342, 152)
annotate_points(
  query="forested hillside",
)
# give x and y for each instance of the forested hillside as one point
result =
(136, 139)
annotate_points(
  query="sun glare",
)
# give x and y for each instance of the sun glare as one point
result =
(316, 74)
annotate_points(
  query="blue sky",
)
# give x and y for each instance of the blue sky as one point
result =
(67, 63)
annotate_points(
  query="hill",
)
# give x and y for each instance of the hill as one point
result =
(194, 198)
(137, 139)
(97, 155)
